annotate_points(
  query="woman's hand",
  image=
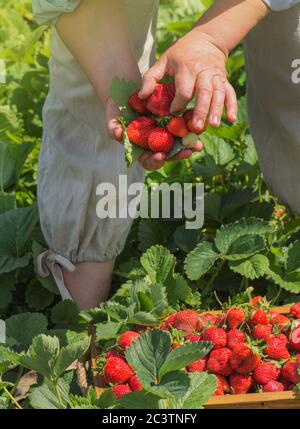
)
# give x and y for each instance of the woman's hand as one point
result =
(198, 65)
(148, 160)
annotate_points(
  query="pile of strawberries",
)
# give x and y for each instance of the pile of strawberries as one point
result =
(156, 129)
(255, 349)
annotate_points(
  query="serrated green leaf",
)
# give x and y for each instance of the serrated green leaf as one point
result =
(139, 400)
(293, 257)
(245, 246)
(65, 314)
(287, 284)
(7, 202)
(185, 355)
(173, 384)
(177, 290)
(37, 297)
(142, 318)
(108, 330)
(7, 286)
(253, 268)
(202, 387)
(22, 328)
(218, 149)
(132, 151)
(158, 263)
(69, 354)
(200, 260)
(42, 398)
(121, 90)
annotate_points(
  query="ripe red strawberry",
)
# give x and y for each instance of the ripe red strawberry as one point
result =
(262, 332)
(295, 338)
(276, 349)
(280, 321)
(113, 353)
(234, 338)
(160, 101)
(218, 362)
(240, 383)
(259, 317)
(160, 140)
(139, 129)
(273, 386)
(266, 372)
(290, 372)
(177, 127)
(117, 371)
(135, 383)
(235, 317)
(193, 338)
(256, 300)
(168, 323)
(222, 386)
(243, 359)
(121, 390)
(207, 320)
(295, 310)
(138, 105)
(186, 320)
(127, 338)
(197, 366)
(217, 336)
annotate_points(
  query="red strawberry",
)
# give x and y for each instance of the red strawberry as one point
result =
(121, 390)
(188, 117)
(186, 320)
(234, 338)
(217, 336)
(177, 127)
(218, 362)
(283, 338)
(193, 338)
(235, 317)
(262, 332)
(138, 105)
(139, 129)
(135, 383)
(295, 338)
(290, 372)
(117, 371)
(295, 310)
(276, 349)
(222, 386)
(273, 386)
(207, 320)
(160, 140)
(280, 321)
(197, 366)
(240, 383)
(113, 353)
(266, 372)
(127, 338)
(160, 101)
(243, 359)
(256, 300)
(259, 317)
(168, 323)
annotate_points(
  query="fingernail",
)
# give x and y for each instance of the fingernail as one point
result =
(200, 124)
(215, 120)
(233, 117)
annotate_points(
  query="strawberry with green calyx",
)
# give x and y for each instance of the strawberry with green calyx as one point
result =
(240, 383)
(295, 311)
(217, 336)
(121, 390)
(117, 371)
(186, 320)
(259, 317)
(137, 105)
(177, 127)
(138, 131)
(127, 338)
(256, 300)
(265, 372)
(290, 371)
(160, 101)
(160, 140)
(219, 362)
(280, 321)
(276, 348)
(262, 332)
(234, 317)
(207, 320)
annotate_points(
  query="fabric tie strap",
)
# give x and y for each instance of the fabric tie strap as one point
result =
(50, 263)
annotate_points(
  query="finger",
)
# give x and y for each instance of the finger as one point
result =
(115, 130)
(204, 92)
(217, 101)
(184, 154)
(152, 162)
(185, 84)
(198, 146)
(152, 77)
(231, 103)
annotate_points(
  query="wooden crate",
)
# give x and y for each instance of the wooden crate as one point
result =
(279, 400)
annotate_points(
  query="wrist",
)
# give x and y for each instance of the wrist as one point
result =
(205, 35)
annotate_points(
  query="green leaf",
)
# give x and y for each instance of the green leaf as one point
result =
(159, 300)
(218, 149)
(289, 284)
(22, 328)
(202, 387)
(178, 290)
(42, 398)
(121, 90)
(158, 263)
(7, 286)
(147, 355)
(108, 330)
(70, 354)
(7, 202)
(12, 158)
(37, 297)
(245, 246)
(177, 148)
(185, 355)
(139, 400)
(253, 268)
(293, 258)
(132, 151)
(200, 260)
(172, 384)
(143, 318)
(65, 314)
(16, 227)
(228, 234)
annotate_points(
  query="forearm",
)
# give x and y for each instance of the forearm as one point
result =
(229, 21)
(97, 36)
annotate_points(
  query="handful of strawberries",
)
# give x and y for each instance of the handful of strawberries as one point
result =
(156, 129)
(255, 349)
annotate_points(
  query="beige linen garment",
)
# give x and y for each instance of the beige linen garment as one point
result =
(274, 102)
(77, 154)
